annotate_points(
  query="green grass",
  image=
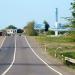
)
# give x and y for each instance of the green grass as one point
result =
(69, 54)
(60, 39)
(67, 43)
(51, 51)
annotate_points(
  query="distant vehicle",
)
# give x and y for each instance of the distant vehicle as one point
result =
(0, 33)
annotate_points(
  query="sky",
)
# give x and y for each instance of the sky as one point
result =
(20, 12)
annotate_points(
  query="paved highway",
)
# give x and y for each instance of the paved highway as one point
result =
(6, 53)
(17, 58)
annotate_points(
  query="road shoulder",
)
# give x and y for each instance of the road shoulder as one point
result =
(1, 39)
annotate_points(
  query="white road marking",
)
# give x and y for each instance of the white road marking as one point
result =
(4, 73)
(41, 58)
(2, 42)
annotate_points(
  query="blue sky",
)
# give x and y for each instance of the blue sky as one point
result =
(20, 12)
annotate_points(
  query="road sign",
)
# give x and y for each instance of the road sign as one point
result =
(39, 26)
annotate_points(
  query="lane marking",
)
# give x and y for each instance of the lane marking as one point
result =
(14, 56)
(41, 58)
(2, 42)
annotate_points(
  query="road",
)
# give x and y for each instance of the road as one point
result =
(25, 61)
(6, 53)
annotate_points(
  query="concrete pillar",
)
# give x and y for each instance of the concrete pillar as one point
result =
(56, 27)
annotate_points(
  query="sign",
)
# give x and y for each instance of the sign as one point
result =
(39, 26)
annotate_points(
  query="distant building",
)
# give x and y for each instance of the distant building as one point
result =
(11, 31)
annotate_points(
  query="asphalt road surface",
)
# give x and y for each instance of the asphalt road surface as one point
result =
(6, 53)
(25, 61)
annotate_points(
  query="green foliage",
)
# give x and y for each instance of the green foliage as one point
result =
(29, 29)
(72, 19)
(11, 27)
(65, 42)
(61, 39)
(73, 14)
(50, 33)
(46, 26)
(69, 54)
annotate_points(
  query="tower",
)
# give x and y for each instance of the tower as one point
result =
(56, 23)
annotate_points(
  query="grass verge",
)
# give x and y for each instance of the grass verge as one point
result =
(67, 44)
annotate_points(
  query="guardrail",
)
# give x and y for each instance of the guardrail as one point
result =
(70, 60)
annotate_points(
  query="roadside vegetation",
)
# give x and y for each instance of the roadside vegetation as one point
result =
(29, 29)
(62, 45)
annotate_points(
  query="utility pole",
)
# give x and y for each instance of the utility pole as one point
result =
(56, 23)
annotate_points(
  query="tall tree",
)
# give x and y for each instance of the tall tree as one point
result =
(46, 26)
(73, 14)
(71, 19)
(29, 29)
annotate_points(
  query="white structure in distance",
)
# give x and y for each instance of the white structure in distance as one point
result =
(11, 31)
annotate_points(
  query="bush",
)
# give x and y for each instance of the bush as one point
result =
(29, 29)
(50, 32)
(69, 54)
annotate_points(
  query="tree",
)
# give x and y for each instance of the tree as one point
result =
(11, 27)
(46, 26)
(29, 29)
(73, 14)
(71, 19)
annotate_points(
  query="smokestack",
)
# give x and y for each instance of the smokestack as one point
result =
(56, 23)
(56, 14)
